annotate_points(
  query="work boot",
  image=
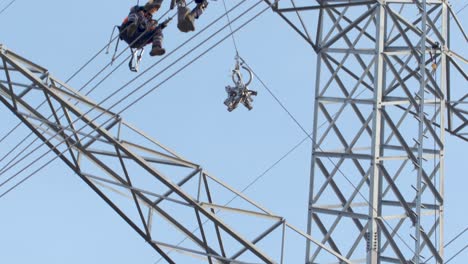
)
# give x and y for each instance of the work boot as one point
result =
(199, 9)
(185, 19)
(157, 50)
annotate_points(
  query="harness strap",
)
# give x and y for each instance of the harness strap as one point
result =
(134, 63)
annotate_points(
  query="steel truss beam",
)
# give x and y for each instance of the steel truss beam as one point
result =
(384, 89)
(162, 196)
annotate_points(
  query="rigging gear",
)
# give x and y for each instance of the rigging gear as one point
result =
(433, 53)
(240, 93)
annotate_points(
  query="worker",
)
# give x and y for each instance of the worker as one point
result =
(186, 17)
(140, 29)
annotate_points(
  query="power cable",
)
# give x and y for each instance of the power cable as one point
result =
(138, 99)
(85, 85)
(256, 179)
(456, 237)
(450, 242)
(24, 140)
(95, 76)
(456, 254)
(302, 128)
(206, 51)
(230, 27)
(463, 8)
(283, 107)
(7, 6)
(145, 94)
(199, 56)
(141, 86)
(336, 167)
(290, 151)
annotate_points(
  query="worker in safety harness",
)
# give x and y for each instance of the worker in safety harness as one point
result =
(140, 29)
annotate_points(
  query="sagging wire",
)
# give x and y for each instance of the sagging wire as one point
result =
(240, 92)
(433, 57)
(7, 6)
(85, 85)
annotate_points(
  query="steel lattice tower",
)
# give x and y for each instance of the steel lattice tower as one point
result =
(384, 91)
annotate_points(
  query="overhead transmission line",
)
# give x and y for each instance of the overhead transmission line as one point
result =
(450, 242)
(298, 125)
(124, 86)
(95, 76)
(7, 6)
(308, 136)
(290, 151)
(206, 51)
(230, 27)
(141, 86)
(84, 86)
(234, 42)
(456, 254)
(336, 166)
(68, 80)
(182, 68)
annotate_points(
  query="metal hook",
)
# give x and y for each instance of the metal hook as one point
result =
(237, 74)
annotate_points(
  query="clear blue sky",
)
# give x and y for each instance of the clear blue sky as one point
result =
(55, 218)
